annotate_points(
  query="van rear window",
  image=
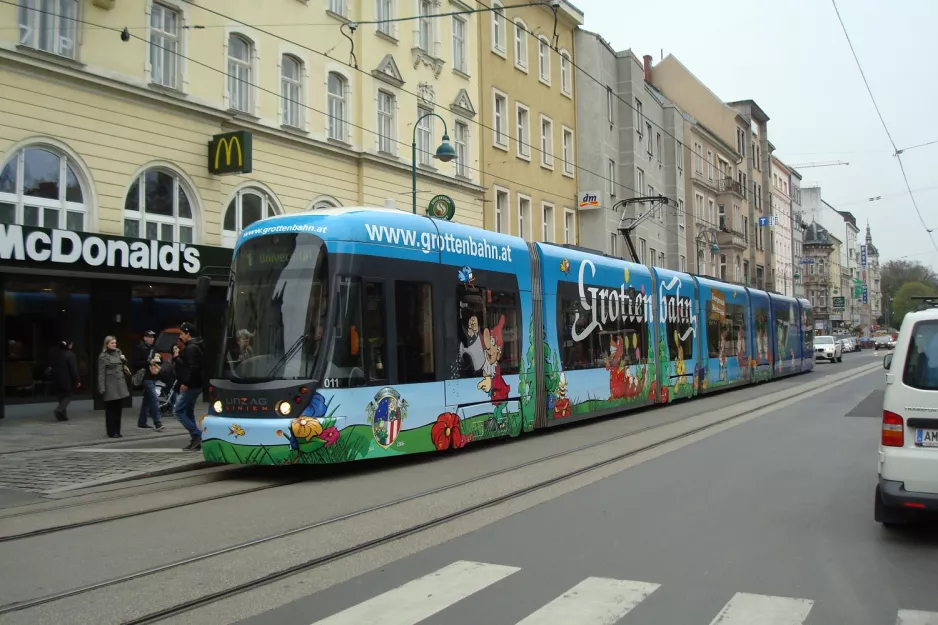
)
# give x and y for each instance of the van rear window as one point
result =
(921, 361)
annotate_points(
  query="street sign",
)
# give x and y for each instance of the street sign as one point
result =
(863, 256)
(765, 222)
(866, 295)
(858, 291)
(839, 302)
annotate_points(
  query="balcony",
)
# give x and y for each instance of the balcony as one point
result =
(727, 186)
(727, 238)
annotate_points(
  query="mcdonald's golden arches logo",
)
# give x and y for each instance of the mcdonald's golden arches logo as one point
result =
(230, 153)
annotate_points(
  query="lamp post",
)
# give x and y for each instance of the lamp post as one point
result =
(444, 153)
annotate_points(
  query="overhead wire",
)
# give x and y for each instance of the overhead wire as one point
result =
(895, 148)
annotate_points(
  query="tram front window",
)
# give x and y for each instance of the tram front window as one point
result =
(277, 309)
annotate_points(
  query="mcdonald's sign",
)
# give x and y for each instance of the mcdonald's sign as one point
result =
(230, 153)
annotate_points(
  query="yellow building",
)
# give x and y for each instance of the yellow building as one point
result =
(528, 142)
(108, 108)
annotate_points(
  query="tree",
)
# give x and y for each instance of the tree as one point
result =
(903, 302)
(895, 273)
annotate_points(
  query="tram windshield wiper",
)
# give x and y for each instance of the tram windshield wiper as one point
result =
(300, 342)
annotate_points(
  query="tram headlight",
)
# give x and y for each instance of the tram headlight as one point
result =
(284, 408)
(217, 407)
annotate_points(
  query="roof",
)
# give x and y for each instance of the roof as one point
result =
(848, 217)
(757, 111)
(816, 234)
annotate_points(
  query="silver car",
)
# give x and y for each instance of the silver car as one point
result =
(828, 348)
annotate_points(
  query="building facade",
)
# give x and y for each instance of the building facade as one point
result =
(851, 275)
(719, 227)
(528, 111)
(872, 302)
(628, 138)
(797, 235)
(818, 248)
(105, 137)
(784, 269)
(759, 171)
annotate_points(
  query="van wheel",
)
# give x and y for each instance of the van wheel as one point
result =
(889, 518)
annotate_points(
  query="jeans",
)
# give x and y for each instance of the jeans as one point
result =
(185, 410)
(149, 405)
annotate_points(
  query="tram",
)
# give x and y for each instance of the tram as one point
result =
(359, 333)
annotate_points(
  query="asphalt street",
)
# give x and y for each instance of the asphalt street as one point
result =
(769, 522)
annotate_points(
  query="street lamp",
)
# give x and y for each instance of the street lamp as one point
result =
(444, 153)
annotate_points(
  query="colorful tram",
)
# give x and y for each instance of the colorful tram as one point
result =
(365, 333)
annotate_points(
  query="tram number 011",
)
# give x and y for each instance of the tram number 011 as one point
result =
(330, 383)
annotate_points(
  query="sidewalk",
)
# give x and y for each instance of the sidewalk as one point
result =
(39, 454)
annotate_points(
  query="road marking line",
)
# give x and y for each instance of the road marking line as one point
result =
(745, 609)
(423, 597)
(916, 617)
(594, 601)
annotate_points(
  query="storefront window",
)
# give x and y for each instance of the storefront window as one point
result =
(158, 207)
(39, 186)
(38, 314)
(247, 206)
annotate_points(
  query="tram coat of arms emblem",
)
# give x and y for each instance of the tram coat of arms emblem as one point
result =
(386, 415)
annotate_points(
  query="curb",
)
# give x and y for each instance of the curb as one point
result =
(96, 442)
(134, 475)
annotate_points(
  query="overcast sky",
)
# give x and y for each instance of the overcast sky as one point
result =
(793, 60)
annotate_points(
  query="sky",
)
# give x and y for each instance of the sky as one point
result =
(792, 58)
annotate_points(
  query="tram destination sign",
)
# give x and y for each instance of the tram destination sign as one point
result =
(44, 248)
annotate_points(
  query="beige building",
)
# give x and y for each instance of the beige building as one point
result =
(715, 159)
(132, 119)
(528, 139)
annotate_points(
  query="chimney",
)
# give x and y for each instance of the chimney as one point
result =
(647, 58)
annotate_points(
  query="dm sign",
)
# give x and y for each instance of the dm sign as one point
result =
(231, 153)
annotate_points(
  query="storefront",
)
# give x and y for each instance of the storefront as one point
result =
(60, 284)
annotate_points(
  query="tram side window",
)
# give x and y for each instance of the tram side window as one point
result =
(593, 351)
(677, 320)
(782, 327)
(808, 331)
(413, 304)
(723, 333)
(483, 312)
(358, 351)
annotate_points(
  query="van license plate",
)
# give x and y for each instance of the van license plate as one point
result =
(926, 438)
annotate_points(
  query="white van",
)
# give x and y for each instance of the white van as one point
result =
(908, 450)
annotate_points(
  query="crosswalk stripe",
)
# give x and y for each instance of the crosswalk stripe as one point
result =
(916, 617)
(594, 601)
(423, 597)
(745, 609)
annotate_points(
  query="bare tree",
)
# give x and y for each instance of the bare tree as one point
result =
(895, 273)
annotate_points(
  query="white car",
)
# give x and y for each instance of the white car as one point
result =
(826, 347)
(908, 450)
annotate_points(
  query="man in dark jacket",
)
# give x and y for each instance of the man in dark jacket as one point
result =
(65, 380)
(144, 355)
(189, 377)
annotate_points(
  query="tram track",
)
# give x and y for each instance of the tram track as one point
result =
(311, 564)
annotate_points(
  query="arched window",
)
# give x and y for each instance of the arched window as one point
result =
(565, 83)
(39, 187)
(291, 91)
(158, 207)
(498, 27)
(240, 74)
(738, 271)
(521, 44)
(247, 206)
(337, 106)
(701, 263)
(323, 202)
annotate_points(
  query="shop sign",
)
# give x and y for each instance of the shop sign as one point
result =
(43, 247)
(231, 153)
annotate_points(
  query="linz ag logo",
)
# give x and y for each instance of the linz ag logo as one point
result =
(246, 404)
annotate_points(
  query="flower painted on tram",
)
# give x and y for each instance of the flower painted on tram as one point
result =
(236, 430)
(330, 435)
(316, 407)
(306, 428)
(446, 432)
(666, 393)
(565, 266)
(653, 393)
(562, 408)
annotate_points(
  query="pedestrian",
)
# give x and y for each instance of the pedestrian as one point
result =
(112, 385)
(65, 380)
(144, 358)
(189, 377)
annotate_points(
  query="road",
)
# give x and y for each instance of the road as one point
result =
(673, 511)
(768, 522)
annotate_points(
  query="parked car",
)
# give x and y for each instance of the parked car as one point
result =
(908, 450)
(825, 347)
(850, 344)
